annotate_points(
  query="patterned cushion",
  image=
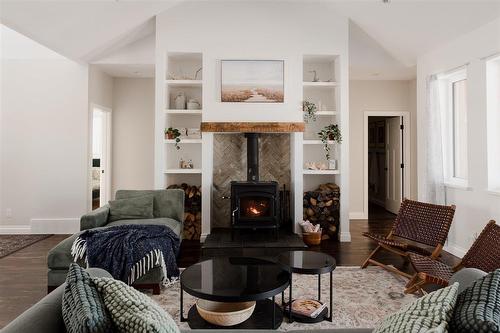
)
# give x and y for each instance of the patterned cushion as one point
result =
(429, 313)
(131, 310)
(133, 208)
(82, 308)
(478, 307)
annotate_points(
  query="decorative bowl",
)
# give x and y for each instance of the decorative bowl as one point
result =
(224, 314)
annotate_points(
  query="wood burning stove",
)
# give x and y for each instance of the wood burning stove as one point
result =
(254, 204)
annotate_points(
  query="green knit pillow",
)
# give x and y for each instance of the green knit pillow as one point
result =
(131, 310)
(478, 307)
(82, 308)
(429, 313)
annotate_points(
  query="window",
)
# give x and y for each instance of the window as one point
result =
(454, 129)
(493, 122)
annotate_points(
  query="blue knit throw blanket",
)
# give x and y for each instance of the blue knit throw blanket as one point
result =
(128, 252)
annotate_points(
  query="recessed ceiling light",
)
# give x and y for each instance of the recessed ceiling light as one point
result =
(385, 1)
(375, 74)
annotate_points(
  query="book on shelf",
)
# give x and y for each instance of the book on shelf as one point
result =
(307, 307)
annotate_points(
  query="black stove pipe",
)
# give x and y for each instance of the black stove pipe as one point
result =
(252, 157)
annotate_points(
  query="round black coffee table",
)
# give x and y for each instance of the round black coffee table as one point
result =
(311, 263)
(236, 280)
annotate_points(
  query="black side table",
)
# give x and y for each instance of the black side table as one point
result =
(310, 263)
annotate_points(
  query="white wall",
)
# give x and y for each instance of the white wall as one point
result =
(475, 206)
(132, 132)
(373, 95)
(44, 123)
(242, 30)
(100, 88)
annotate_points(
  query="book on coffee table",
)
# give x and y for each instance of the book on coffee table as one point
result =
(307, 307)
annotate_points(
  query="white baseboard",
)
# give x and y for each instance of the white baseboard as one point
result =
(55, 226)
(357, 216)
(345, 236)
(203, 237)
(456, 250)
(14, 229)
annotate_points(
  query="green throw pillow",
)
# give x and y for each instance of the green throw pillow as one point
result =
(132, 208)
(478, 307)
(429, 313)
(82, 308)
(131, 310)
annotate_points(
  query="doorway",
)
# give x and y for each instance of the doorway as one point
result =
(386, 162)
(100, 164)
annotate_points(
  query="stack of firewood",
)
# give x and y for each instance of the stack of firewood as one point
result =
(322, 207)
(192, 210)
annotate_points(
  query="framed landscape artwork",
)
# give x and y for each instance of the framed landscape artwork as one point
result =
(252, 81)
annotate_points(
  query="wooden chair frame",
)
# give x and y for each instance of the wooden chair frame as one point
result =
(402, 248)
(421, 279)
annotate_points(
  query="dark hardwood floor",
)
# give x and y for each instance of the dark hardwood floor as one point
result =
(23, 278)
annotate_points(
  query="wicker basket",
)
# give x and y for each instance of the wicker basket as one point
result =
(311, 238)
(224, 314)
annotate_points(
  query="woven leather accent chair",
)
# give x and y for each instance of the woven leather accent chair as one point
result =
(423, 224)
(484, 254)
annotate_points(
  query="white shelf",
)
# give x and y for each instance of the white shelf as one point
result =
(179, 171)
(184, 141)
(326, 113)
(320, 84)
(321, 172)
(188, 112)
(316, 142)
(184, 83)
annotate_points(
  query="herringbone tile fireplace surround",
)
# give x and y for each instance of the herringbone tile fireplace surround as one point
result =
(230, 164)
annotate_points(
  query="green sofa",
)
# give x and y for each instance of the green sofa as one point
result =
(168, 209)
(46, 315)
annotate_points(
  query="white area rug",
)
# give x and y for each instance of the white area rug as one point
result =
(361, 297)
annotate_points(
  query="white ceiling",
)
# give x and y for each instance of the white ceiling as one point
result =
(384, 38)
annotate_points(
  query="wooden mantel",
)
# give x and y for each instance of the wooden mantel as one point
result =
(253, 127)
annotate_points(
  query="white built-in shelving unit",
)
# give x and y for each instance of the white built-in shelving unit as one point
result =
(324, 93)
(323, 88)
(179, 77)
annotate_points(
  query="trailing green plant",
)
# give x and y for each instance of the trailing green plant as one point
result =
(309, 109)
(330, 133)
(174, 134)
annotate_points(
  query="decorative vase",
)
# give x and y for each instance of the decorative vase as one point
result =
(332, 164)
(180, 101)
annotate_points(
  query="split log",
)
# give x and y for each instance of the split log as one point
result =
(322, 206)
(192, 210)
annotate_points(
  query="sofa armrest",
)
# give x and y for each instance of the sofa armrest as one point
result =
(94, 219)
(46, 315)
(465, 277)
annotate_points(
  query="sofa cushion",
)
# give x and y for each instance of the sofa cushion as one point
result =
(430, 312)
(166, 203)
(478, 307)
(131, 310)
(83, 309)
(131, 208)
(171, 223)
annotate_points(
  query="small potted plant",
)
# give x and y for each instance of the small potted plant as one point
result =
(309, 109)
(330, 133)
(173, 134)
